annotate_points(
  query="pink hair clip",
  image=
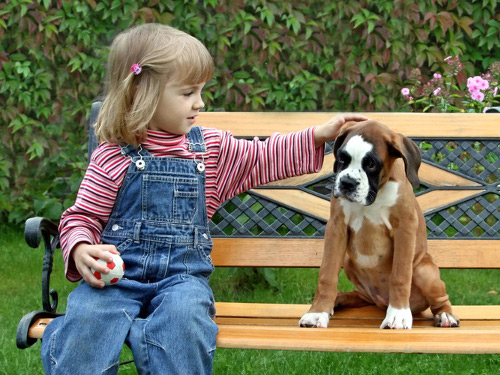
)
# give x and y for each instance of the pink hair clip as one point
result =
(136, 69)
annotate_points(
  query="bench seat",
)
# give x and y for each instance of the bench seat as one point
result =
(274, 326)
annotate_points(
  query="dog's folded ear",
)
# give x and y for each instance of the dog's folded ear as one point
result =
(403, 147)
(342, 134)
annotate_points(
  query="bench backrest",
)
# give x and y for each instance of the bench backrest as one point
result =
(282, 224)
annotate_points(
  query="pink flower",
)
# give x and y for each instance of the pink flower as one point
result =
(477, 83)
(473, 89)
(484, 84)
(444, 91)
(469, 82)
(405, 91)
(479, 96)
(477, 80)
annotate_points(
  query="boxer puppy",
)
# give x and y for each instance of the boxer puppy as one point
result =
(377, 231)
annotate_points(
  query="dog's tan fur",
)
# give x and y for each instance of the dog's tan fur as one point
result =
(405, 275)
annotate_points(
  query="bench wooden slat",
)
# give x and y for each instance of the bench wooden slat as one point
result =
(346, 323)
(305, 253)
(320, 207)
(442, 198)
(439, 177)
(302, 201)
(424, 125)
(353, 339)
(295, 311)
(37, 328)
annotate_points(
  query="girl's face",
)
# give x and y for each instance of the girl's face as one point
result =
(178, 107)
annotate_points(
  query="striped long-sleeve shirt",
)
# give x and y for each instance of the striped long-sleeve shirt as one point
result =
(232, 166)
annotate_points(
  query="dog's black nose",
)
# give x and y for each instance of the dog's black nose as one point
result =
(348, 184)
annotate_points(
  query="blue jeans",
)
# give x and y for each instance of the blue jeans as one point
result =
(165, 341)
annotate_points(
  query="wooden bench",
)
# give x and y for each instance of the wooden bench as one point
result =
(282, 225)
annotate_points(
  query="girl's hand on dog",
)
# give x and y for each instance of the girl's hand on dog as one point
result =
(330, 129)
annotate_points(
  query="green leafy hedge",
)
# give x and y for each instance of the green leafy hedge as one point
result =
(270, 55)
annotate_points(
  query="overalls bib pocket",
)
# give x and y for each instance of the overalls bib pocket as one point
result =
(170, 199)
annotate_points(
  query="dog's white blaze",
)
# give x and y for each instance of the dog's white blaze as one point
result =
(378, 212)
(397, 318)
(357, 148)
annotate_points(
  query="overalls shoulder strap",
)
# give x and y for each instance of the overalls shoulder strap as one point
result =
(196, 140)
(129, 150)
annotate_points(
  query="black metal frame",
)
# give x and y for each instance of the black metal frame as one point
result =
(37, 229)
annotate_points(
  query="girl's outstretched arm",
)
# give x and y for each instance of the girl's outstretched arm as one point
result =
(244, 164)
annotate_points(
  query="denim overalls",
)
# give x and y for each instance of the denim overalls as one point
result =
(163, 307)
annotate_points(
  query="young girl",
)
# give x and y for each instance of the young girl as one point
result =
(149, 190)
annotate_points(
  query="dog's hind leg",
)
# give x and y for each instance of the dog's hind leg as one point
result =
(426, 277)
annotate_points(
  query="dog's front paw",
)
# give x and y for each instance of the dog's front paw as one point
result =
(397, 319)
(446, 320)
(317, 320)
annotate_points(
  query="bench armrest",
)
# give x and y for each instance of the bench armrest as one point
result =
(36, 229)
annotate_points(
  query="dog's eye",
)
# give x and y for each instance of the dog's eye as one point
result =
(343, 158)
(370, 164)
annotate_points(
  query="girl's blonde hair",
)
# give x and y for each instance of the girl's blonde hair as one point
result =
(164, 54)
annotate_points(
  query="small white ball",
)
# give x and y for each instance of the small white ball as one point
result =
(116, 270)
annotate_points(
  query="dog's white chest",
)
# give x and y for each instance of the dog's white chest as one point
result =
(378, 213)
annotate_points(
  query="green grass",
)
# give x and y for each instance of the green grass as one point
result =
(20, 267)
